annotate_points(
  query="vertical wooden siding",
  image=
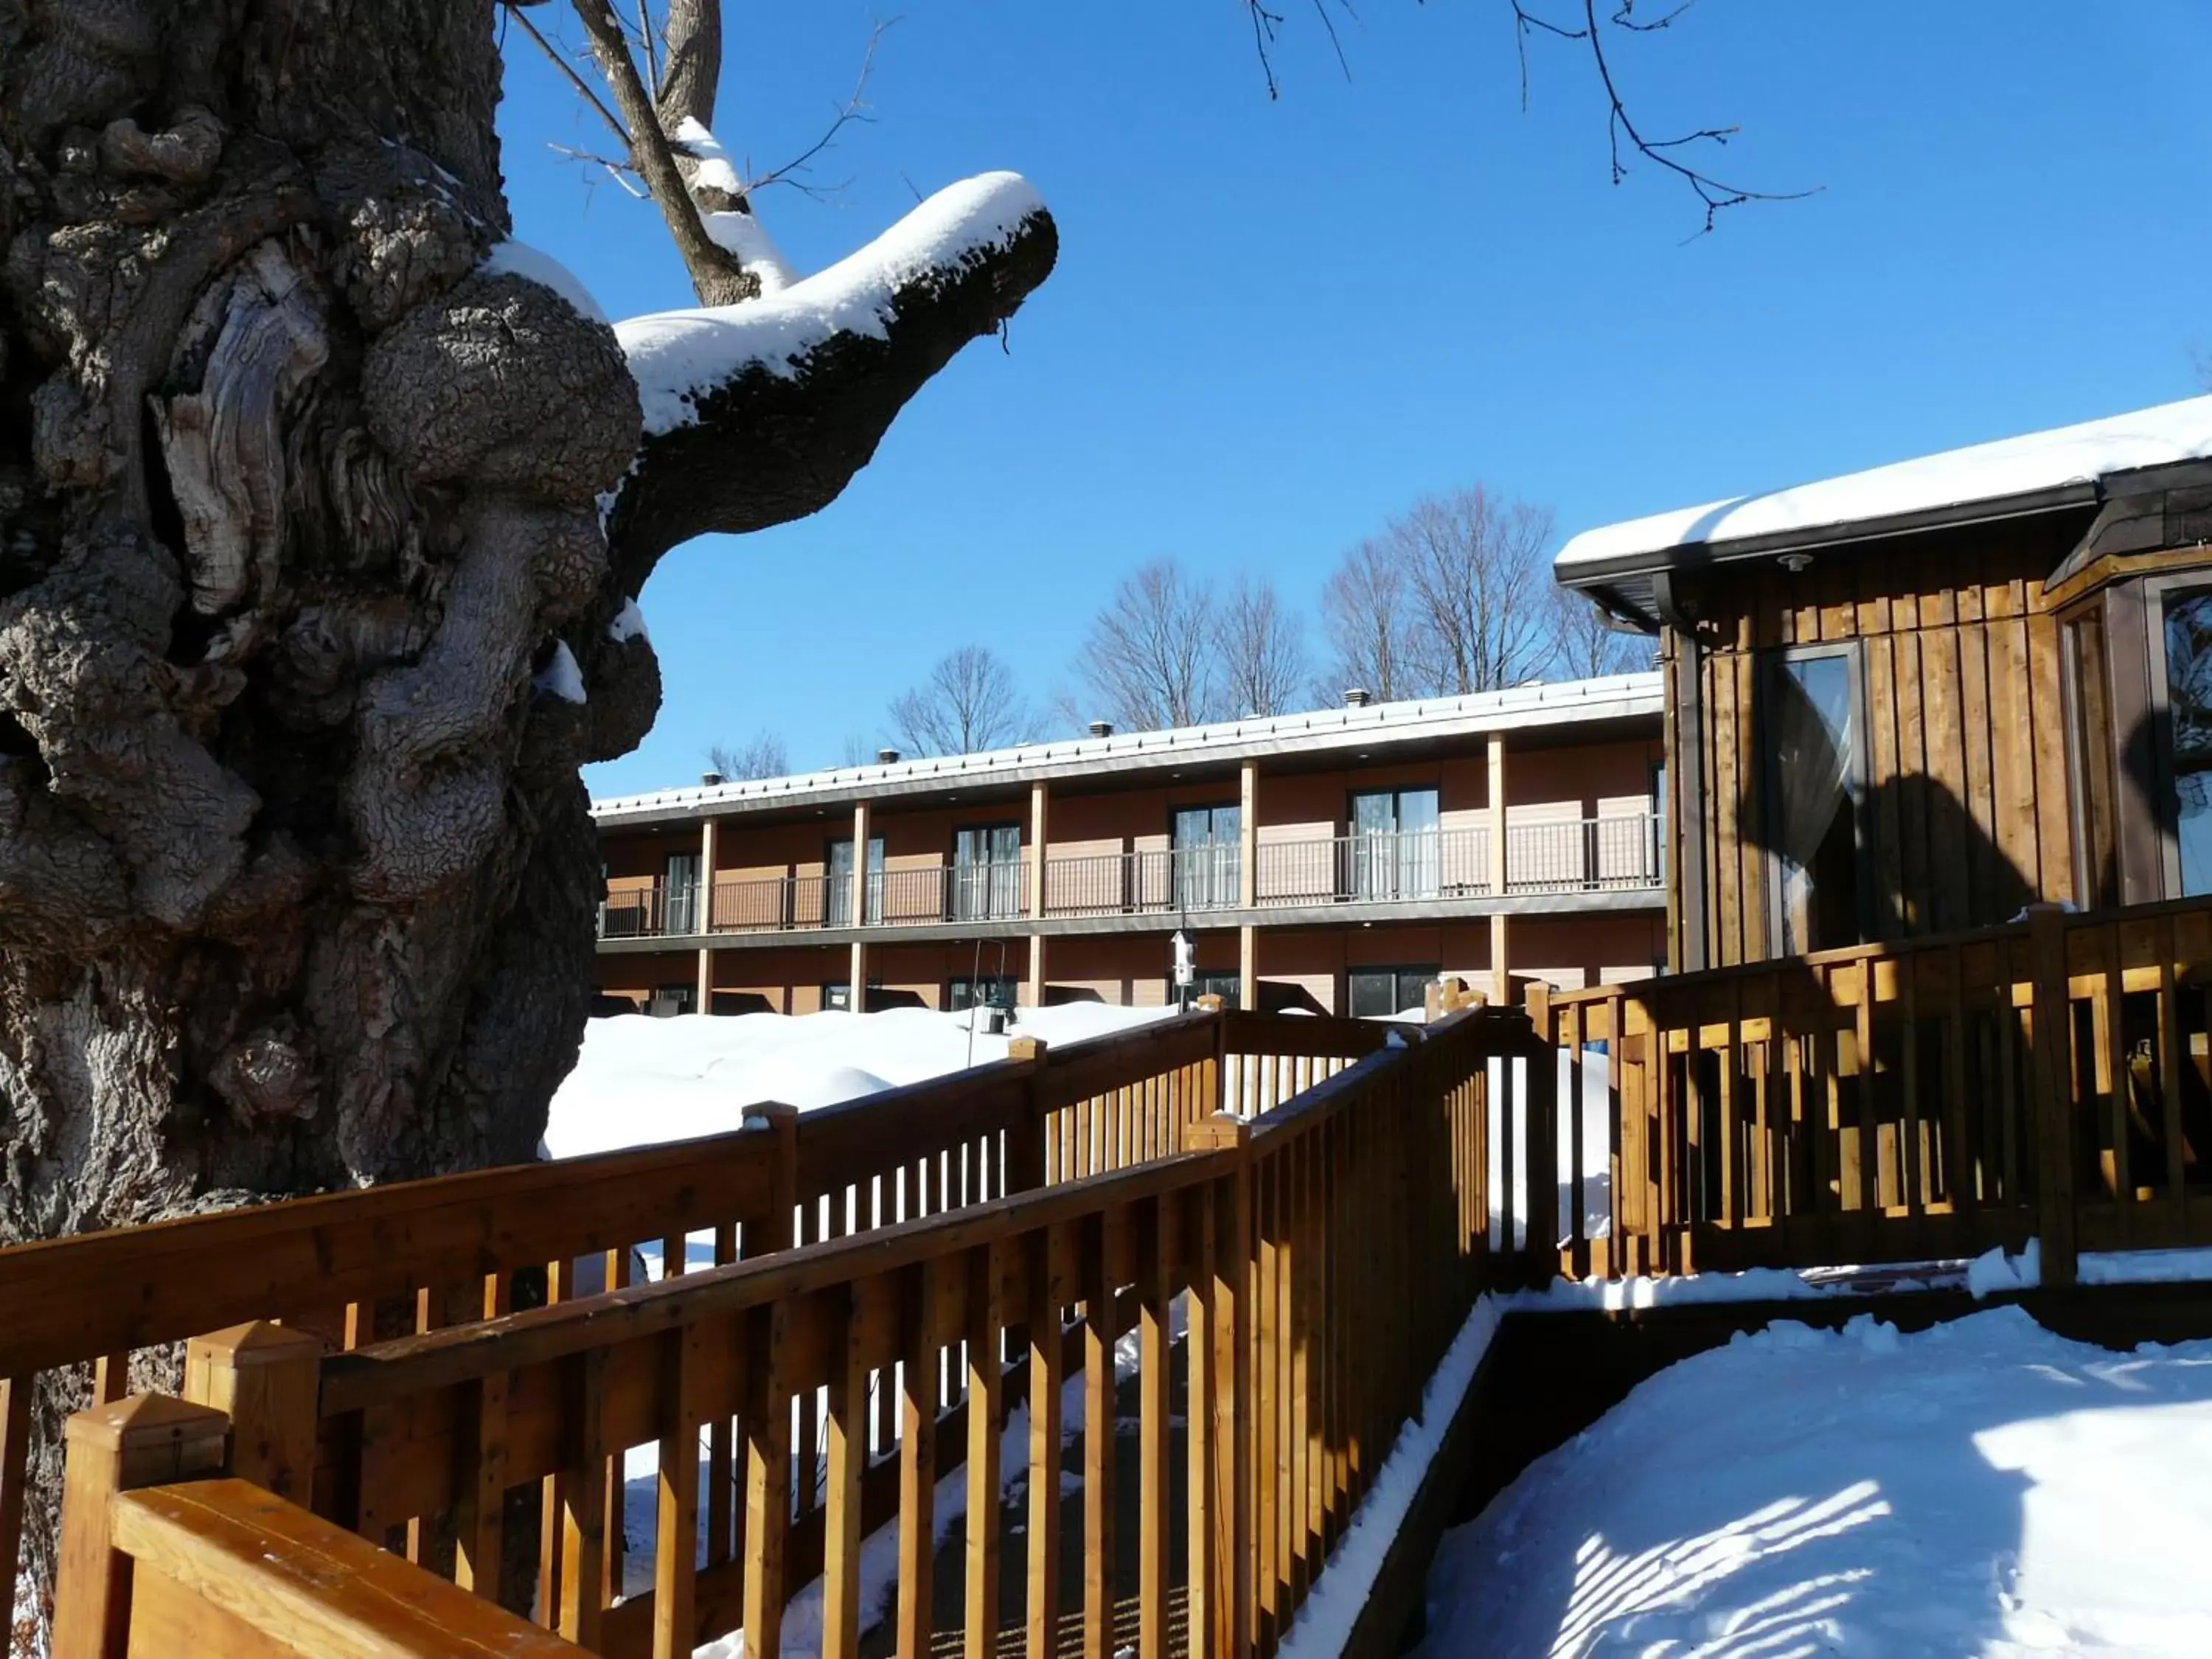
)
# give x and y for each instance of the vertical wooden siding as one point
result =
(1967, 802)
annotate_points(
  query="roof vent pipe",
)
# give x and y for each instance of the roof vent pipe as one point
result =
(1101, 728)
(1355, 696)
(710, 779)
(888, 757)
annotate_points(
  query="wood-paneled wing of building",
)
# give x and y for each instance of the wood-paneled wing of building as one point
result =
(1916, 700)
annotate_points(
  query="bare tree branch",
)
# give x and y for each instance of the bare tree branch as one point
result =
(761, 755)
(764, 446)
(1262, 648)
(1585, 644)
(645, 39)
(1710, 191)
(854, 108)
(1367, 615)
(560, 61)
(1149, 656)
(1474, 565)
(718, 275)
(1529, 20)
(968, 703)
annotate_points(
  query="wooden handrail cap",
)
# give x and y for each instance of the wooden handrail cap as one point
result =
(145, 1419)
(256, 1342)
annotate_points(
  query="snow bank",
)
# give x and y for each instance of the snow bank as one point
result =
(639, 1080)
(678, 357)
(520, 259)
(1983, 1488)
(2042, 461)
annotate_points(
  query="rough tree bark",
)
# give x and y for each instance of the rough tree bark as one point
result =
(298, 502)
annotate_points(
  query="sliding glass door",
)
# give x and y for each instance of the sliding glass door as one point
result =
(1393, 849)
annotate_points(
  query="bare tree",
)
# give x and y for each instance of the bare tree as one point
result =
(1367, 615)
(968, 703)
(762, 756)
(1584, 646)
(1579, 23)
(1481, 590)
(1262, 649)
(1148, 659)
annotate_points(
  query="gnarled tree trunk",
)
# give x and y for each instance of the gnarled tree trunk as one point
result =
(313, 526)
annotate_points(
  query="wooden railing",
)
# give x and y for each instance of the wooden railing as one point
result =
(1901, 1103)
(169, 1553)
(1287, 1244)
(419, 1255)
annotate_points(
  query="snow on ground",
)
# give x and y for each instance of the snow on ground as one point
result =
(640, 1080)
(1983, 1487)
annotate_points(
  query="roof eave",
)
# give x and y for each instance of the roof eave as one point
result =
(1607, 574)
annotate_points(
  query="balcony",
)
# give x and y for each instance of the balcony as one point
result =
(1573, 856)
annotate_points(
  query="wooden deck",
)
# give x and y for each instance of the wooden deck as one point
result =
(1885, 1105)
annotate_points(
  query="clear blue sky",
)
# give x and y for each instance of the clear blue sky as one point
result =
(1273, 324)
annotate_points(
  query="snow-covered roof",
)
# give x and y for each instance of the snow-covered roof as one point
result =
(2008, 475)
(1616, 696)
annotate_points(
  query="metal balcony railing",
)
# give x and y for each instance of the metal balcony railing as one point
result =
(1571, 856)
(1374, 867)
(1586, 855)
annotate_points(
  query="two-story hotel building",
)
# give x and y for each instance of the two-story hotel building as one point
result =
(1338, 860)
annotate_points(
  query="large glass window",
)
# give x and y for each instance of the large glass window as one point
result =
(987, 872)
(991, 991)
(1378, 992)
(1206, 857)
(1815, 771)
(2189, 732)
(1393, 849)
(837, 901)
(1223, 982)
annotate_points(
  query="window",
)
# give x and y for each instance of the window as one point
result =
(672, 999)
(1221, 982)
(837, 996)
(1207, 855)
(991, 991)
(837, 896)
(1815, 774)
(1379, 991)
(1393, 850)
(987, 872)
(2188, 628)
(681, 894)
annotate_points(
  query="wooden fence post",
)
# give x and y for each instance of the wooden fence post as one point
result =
(148, 1440)
(776, 1232)
(1542, 1071)
(1223, 1609)
(1026, 1140)
(2052, 1059)
(267, 1380)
